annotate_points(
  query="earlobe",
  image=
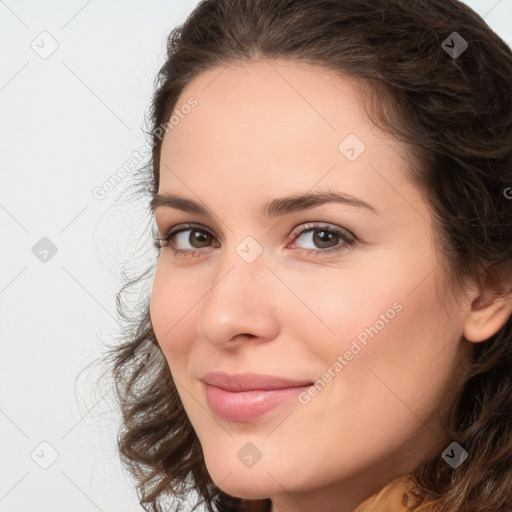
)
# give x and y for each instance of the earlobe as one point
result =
(487, 316)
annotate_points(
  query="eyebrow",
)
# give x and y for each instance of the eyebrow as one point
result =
(275, 208)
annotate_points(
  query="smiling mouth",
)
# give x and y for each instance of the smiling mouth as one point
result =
(247, 405)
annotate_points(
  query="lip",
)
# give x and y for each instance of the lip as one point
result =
(249, 381)
(246, 396)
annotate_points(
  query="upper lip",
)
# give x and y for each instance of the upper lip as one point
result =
(249, 381)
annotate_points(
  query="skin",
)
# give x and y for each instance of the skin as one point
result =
(266, 130)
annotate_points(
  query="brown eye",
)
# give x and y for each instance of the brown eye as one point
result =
(324, 239)
(186, 240)
(198, 239)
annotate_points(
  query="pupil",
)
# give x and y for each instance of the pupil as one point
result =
(199, 237)
(323, 237)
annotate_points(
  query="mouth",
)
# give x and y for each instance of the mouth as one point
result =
(247, 396)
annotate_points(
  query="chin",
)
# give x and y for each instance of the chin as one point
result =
(245, 483)
(246, 488)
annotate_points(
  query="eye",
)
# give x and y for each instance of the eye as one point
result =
(197, 238)
(328, 239)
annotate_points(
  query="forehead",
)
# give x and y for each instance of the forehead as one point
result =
(276, 125)
(275, 99)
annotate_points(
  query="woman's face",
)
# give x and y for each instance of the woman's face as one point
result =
(339, 296)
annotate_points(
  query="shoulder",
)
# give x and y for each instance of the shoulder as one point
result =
(397, 496)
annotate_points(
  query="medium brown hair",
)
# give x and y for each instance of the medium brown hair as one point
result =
(454, 114)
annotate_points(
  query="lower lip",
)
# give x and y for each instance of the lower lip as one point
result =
(247, 405)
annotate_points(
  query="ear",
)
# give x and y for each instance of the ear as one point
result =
(490, 309)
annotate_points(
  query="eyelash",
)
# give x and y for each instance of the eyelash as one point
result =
(347, 239)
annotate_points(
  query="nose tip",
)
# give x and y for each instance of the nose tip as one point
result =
(239, 307)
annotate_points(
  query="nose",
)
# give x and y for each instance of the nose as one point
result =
(241, 304)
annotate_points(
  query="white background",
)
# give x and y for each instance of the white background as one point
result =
(67, 123)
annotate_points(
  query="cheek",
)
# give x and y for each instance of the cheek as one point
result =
(338, 306)
(377, 402)
(378, 338)
(399, 352)
(172, 309)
